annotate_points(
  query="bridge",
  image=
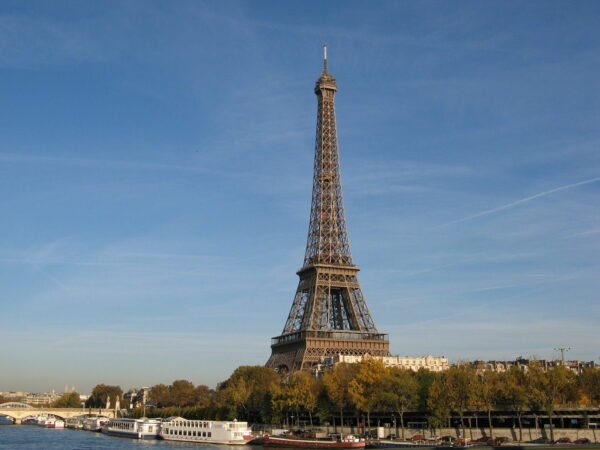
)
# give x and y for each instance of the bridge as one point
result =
(19, 411)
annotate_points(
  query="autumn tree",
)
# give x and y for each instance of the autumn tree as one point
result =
(514, 393)
(160, 395)
(398, 391)
(337, 387)
(559, 381)
(438, 404)
(460, 383)
(364, 387)
(589, 384)
(182, 393)
(488, 389)
(303, 392)
(203, 396)
(248, 393)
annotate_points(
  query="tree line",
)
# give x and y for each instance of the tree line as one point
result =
(260, 395)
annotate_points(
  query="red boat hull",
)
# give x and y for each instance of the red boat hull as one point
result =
(310, 443)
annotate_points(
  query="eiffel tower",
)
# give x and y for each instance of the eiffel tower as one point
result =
(329, 314)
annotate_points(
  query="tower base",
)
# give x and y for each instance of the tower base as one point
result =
(306, 349)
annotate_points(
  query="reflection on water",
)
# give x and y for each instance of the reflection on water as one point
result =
(21, 437)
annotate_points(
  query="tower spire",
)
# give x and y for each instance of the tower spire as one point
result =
(329, 314)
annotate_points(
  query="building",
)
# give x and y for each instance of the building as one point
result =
(40, 398)
(403, 362)
(523, 364)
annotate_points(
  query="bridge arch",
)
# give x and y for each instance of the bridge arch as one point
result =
(15, 405)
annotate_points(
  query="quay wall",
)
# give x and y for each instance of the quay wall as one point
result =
(529, 434)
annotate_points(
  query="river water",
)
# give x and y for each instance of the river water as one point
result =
(25, 437)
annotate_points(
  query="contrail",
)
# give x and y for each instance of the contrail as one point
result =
(518, 202)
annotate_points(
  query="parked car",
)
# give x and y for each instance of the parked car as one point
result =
(418, 437)
(582, 441)
(563, 440)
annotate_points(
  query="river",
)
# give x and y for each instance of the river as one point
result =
(26, 437)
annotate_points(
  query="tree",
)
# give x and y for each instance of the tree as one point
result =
(514, 394)
(398, 391)
(559, 381)
(589, 384)
(68, 400)
(363, 388)
(437, 404)
(337, 386)
(101, 393)
(549, 388)
(248, 392)
(460, 383)
(160, 395)
(203, 396)
(425, 379)
(488, 393)
(303, 392)
(537, 397)
(182, 393)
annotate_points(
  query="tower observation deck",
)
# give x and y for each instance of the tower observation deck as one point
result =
(329, 314)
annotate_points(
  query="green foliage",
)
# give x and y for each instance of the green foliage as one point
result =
(247, 394)
(101, 393)
(425, 379)
(260, 395)
(181, 393)
(398, 391)
(69, 400)
(588, 385)
(438, 404)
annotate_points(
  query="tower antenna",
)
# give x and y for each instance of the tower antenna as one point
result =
(325, 58)
(562, 351)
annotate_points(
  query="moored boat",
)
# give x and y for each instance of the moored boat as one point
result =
(133, 428)
(401, 444)
(75, 423)
(94, 423)
(347, 441)
(59, 423)
(208, 431)
(45, 422)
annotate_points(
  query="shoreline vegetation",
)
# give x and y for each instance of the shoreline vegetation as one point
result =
(367, 394)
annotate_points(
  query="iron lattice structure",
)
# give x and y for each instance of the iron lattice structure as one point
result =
(329, 314)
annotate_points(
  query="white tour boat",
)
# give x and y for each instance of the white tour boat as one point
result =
(45, 421)
(143, 428)
(209, 431)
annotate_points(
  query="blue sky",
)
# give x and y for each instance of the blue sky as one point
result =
(155, 178)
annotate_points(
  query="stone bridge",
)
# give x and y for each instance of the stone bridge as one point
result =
(19, 411)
